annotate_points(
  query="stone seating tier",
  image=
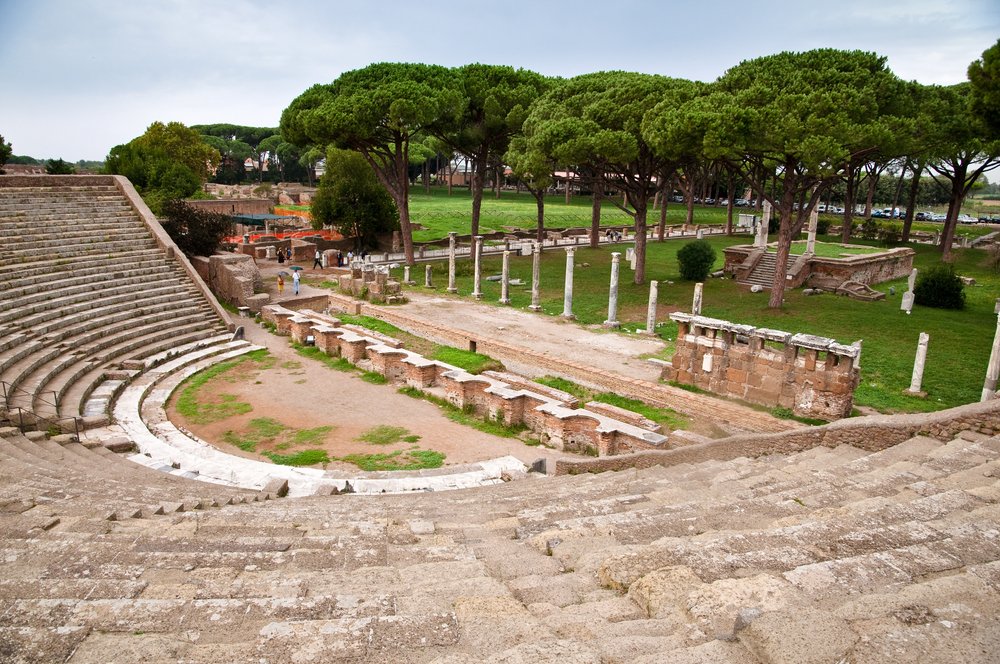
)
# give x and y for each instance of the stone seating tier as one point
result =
(85, 288)
(824, 555)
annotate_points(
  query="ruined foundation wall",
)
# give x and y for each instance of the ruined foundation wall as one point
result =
(812, 376)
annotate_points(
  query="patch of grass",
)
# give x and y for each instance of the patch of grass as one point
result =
(687, 388)
(374, 377)
(370, 323)
(259, 430)
(301, 458)
(291, 365)
(384, 434)
(311, 436)
(412, 438)
(313, 353)
(192, 404)
(474, 363)
(666, 417)
(399, 460)
(568, 386)
(231, 308)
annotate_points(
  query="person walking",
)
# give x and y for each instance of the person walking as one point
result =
(318, 260)
(295, 282)
(281, 284)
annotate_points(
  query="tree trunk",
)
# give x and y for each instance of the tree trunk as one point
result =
(899, 189)
(849, 194)
(911, 200)
(567, 187)
(870, 198)
(539, 195)
(499, 179)
(689, 201)
(478, 181)
(784, 237)
(427, 176)
(661, 227)
(595, 214)
(729, 203)
(954, 207)
(640, 242)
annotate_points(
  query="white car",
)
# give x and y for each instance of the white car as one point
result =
(966, 219)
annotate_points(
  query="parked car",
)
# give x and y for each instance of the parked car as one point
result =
(742, 202)
(966, 219)
(989, 219)
(937, 216)
(924, 216)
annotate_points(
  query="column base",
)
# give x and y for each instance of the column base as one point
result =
(452, 290)
(568, 316)
(478, 296)
(918, 393)
(535, 307)
(504, 301)
(612, 324)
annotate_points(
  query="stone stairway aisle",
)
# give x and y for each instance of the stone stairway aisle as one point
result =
(763, 271)
(827, 555)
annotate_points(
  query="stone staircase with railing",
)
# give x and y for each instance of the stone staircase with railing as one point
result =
(763, 272)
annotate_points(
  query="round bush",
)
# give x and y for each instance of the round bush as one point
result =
(939, 287)
(696, 260)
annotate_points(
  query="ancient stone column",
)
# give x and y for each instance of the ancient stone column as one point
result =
(477, 248)
(918, 364)
(651, 308)
(451, 262)
(568, 288)
(699, 234)
(993, 369)
(696, 301)
(813, 223)
(612, 320)
(765, 220)
(505, 279)
(536, 272)
(406, 275)
(427, 277)
(907, 303)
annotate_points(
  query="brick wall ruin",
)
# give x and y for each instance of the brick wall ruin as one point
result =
(557, 423)
(234, 279)
(812, 376)
(369, 282)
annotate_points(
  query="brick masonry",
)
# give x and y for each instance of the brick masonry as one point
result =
(812, 376)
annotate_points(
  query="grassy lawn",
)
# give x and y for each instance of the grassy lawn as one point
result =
(437, 212)
(959, 340)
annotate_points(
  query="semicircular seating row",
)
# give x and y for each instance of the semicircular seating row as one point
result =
(87, 296)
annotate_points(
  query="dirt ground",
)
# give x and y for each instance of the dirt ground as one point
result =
(303, 394)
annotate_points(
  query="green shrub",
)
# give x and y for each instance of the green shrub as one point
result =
(696, 260)
(822, 226)
(869, 229)
(940, 287)
(890, 233)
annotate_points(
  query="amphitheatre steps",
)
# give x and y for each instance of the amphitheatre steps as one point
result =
(85, 288)
(422, 577)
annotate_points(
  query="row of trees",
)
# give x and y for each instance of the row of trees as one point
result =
(791, 125)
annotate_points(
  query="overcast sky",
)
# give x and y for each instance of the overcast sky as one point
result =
(81, 76)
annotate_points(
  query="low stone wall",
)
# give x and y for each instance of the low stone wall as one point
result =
(813, 376)
(829, 273)
(872, 433)
(562, 427)
(233, 205)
